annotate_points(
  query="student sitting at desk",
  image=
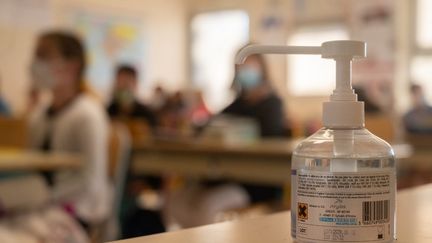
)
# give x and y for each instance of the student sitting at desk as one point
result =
(418, 119)
(124, 103)
(140, 118)
(256, 99)
(73, 122)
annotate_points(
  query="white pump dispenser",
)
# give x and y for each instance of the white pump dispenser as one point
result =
(343, 177)
(343, 110)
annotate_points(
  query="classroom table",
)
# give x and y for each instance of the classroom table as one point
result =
(265, 161)
(414, 220)
(29, 160)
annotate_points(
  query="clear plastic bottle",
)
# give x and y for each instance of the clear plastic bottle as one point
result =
(343, 177)
(344, 157)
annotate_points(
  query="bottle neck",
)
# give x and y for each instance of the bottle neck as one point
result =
(343, 114)
(344, 128)
(343, 90)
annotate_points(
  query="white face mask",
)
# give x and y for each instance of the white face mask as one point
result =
(42, 74)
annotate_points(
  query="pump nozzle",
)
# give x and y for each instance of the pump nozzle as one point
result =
(265, 49)
(331, 49)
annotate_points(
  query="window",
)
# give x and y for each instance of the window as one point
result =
(311, 75)
(421, 64)
(216, 37)
(421, 73)
(424, 23)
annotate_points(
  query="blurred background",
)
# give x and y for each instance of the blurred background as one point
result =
(152, 126)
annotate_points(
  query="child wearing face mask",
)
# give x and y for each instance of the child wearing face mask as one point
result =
(73, 121)
(124, 104)
(256, 99)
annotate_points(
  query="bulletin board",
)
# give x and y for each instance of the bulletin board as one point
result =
(110, 41)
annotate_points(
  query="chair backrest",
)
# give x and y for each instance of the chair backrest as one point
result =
(419, 141)
(381, 125)
(120, 147)
(139, 130)
(13, 132)
(119, 158)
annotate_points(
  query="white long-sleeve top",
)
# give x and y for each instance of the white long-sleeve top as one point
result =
(81, 127)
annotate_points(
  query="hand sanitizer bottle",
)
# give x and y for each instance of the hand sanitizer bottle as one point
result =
(343, 177)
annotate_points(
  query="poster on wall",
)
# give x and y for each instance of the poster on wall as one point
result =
(373, 22)
(110, 41)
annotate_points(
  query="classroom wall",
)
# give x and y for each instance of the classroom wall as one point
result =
(20, 21)
(13, 64)
(164, 24)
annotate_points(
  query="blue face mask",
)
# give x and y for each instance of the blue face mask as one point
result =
(248, 77)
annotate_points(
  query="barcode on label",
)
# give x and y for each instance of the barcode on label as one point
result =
(376, 211)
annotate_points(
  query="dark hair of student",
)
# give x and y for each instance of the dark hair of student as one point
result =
(69, 47)
(128, 69)
(414, 88)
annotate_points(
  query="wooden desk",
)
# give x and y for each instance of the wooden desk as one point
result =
(265, 162)
(24, 160)
(414, 214)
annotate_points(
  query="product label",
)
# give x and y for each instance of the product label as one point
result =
(344, 207)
